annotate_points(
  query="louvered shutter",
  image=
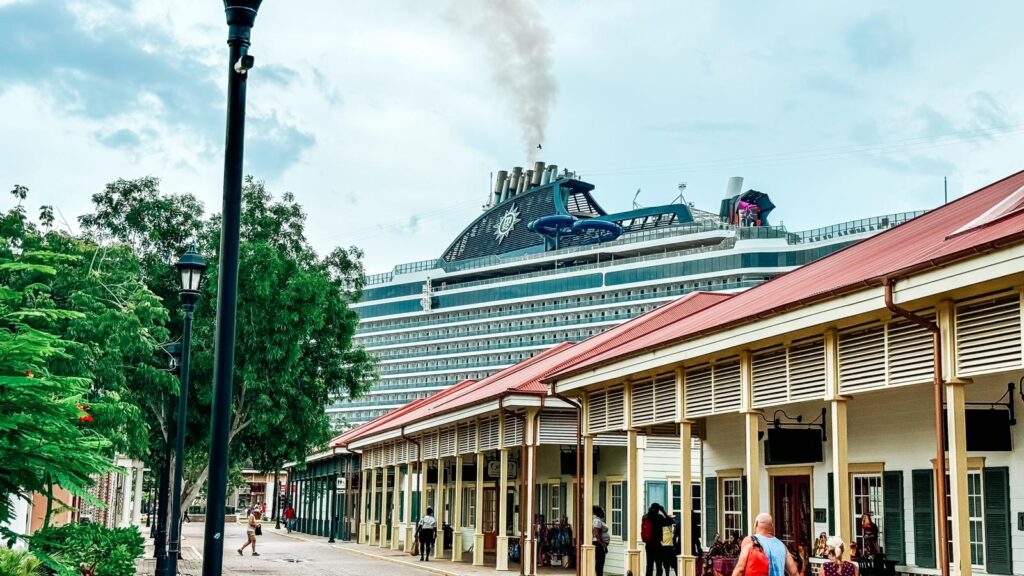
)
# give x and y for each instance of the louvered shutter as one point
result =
(710, 510)
(558, 428)
(862, 359)
(726, 376)
(488, 434)
(616, 408)
(988, 335)
(698, 391)
(665, 400)
(910, 352)
(892, 510)
(642, 405)
(998, 545)
(769, 370)
(467, 438)
(513, 432)
(924, 518)
(807, 370)
(597, 406)
(430, 448)
(448, 442)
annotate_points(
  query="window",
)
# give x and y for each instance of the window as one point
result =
(975, 520)
(695, 498)
(867, 499)
(615, 510)
(677, 501)
(469, 507)
(732, 507)
(554, 503)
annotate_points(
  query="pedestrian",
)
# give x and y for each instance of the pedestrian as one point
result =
(289, 518)
(836, 566)
(426, 533)
(252, 529)
(651, 533)
(869, 531)
(601, 538)
(762, 554)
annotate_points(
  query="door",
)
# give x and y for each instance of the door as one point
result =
(490, 518)
(792, 510)
(656, 493)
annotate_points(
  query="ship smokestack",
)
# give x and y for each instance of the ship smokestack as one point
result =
(528, 180)
(734, 187)
(554, 172)
(499, 184)
(538, 169)
(514, 180)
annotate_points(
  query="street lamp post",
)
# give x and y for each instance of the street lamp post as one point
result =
(277, 490)
(191, 267)
(241, 15)
(160, 542)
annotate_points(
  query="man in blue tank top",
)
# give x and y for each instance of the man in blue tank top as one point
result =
(780, 562)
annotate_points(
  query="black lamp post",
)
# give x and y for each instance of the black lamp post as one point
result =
(191, 267)
(241, 15)
(160, 541)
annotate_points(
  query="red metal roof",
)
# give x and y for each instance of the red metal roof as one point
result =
(526, 377)
(927, 241)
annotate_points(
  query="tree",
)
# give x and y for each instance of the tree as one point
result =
(293, 350)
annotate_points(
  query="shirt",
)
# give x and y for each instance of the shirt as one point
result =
(428, 523)
(776, 552)
(605, 536)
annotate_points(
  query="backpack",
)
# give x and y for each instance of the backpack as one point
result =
(667, 536)
(647, 530)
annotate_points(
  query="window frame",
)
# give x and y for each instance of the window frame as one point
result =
(612, 483)
(877, 512)
(977, 472)
(725, 513)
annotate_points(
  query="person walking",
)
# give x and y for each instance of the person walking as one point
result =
(762, 554)
(252, 529)
(601, 539)
(426, 533)
(289, 518)
(836, 566)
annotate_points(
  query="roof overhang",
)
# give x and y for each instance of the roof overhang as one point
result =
(512, 400)
(985, 267)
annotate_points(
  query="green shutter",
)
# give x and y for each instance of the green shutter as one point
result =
(710, 510)
(831, 503)
(625, 510)
(745, 526)
(401, 506)
(924, 518)
(415, 512)
(998, 551)
(892, 510)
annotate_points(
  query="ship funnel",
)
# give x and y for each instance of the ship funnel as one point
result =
(734, 187)
(528, 181)
(499, 184)
(514, 179)
(538, 169)
(554, 172)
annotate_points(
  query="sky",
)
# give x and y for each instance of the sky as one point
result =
(387, 118)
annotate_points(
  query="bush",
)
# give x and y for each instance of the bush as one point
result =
(78, 548)
(19, 563)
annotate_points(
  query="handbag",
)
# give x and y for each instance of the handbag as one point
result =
(259, 530)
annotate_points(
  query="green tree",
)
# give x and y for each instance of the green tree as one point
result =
(293, 351)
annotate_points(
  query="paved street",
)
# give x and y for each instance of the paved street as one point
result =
(282, 555)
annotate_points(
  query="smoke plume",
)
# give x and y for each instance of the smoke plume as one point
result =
(518, 48)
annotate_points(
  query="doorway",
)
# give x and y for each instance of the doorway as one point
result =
(792, 510)
(490, 519)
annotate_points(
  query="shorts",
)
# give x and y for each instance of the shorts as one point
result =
(250, 532)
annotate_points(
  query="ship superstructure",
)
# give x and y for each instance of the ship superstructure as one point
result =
(545, 264)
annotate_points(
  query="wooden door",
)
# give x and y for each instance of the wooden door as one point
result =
(490, 519)
(792, 510)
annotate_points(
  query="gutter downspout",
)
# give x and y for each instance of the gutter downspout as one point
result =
(522, 490)
(940, 424)
(578, 513)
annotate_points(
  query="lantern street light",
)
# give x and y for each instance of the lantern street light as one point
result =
(173, 351)
(241, 16)
(191, 267)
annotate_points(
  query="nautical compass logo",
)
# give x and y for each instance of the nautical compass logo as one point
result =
(507, 222)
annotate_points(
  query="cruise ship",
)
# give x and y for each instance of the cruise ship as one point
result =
(545, 264)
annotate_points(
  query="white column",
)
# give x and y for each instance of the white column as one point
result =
(375, 520)
(632, 559)
(478, 535)
(439, 510)
(502, 552)
(457, 513)
(686, 561)
(956, 430)
(127, 494)
(396, 495)
(137, 501)
(587, 553)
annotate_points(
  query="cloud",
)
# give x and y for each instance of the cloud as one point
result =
(283, 76)
(125, 139)
(878, 41)
(272, 146)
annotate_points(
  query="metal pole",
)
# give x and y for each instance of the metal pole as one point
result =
(174, 551)
(241, 15)
(160, 543)
(277, 488)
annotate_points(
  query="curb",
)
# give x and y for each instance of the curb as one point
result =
(391, 559)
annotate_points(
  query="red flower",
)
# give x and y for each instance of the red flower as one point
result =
(28, 373)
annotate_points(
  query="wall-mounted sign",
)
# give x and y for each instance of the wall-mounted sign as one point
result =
(339, 483)
(493, 470)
